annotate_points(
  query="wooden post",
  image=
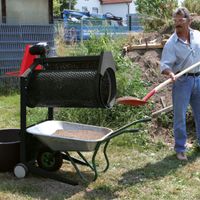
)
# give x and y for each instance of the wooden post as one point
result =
(50, 11)
(129, 22)
(70, 4)
(3, 10)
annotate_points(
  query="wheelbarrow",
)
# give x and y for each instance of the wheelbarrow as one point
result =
(60, 138)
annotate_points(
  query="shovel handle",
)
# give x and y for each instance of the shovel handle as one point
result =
(176, 76)
(152, 92)
(162, 85)
(187, 69)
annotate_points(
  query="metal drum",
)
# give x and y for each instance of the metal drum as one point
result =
(9, 149)
(87, 81)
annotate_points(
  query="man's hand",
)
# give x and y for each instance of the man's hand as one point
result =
(172, 76)
(169, 73)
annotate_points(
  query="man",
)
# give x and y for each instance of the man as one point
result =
(180, 52)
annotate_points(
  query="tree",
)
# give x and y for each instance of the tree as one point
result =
(157, 12)
(56, 7)
(60, 5)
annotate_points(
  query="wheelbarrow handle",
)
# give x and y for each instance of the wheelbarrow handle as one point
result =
(132, 123)
(123, 128)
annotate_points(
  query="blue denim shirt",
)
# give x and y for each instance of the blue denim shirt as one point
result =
(178, 55)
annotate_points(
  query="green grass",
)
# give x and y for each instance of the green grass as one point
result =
(140, 168)
(9, 109)
(10, 112)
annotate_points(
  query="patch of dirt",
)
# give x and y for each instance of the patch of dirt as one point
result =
(149, 61)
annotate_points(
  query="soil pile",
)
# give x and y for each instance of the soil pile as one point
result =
(149, 62)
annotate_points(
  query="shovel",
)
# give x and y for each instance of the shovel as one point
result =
(128, 100)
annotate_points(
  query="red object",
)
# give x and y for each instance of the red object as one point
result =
(151, 93)
(26, 63)
(132, 101)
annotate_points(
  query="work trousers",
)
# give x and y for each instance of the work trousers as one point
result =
(185, 92)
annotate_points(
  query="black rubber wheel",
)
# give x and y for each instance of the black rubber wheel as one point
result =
(49, 160)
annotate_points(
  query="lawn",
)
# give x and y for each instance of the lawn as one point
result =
(146, 169)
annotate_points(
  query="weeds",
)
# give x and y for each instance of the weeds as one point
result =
(192, 5)
(140, 168)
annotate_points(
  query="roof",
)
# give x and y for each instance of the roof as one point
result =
(114, 1)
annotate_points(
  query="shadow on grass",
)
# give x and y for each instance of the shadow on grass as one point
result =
(34, 186)
(101, 192)
(157, 170)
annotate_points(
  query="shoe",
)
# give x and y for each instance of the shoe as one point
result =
(181, 156)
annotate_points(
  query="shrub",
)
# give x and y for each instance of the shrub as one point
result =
(155, 13)
(192, 5)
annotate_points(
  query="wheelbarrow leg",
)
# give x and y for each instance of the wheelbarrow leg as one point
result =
(94, 159)
(84, 159)
(75, 167)
(105, 155)
(94, 163)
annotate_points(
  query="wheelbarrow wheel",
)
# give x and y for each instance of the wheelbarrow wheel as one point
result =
(49, 160)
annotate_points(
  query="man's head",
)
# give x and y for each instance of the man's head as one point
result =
(182, 19)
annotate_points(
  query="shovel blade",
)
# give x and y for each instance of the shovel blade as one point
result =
(131, 101)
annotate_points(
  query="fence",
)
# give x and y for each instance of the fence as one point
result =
(13, 39)
(78, 30)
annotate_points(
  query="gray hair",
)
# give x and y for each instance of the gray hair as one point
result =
(182, 11)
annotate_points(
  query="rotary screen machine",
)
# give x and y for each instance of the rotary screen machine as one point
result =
(76, 82)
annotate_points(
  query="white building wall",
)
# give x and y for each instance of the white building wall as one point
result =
(119, 10)
(132, 8)
(89, 4)
(27, 12)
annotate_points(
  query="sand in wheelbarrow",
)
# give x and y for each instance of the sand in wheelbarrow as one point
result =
(80, 134)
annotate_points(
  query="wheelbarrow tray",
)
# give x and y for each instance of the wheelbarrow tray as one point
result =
(46, 133)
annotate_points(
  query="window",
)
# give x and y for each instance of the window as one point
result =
(84, 9)
(95, 10)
